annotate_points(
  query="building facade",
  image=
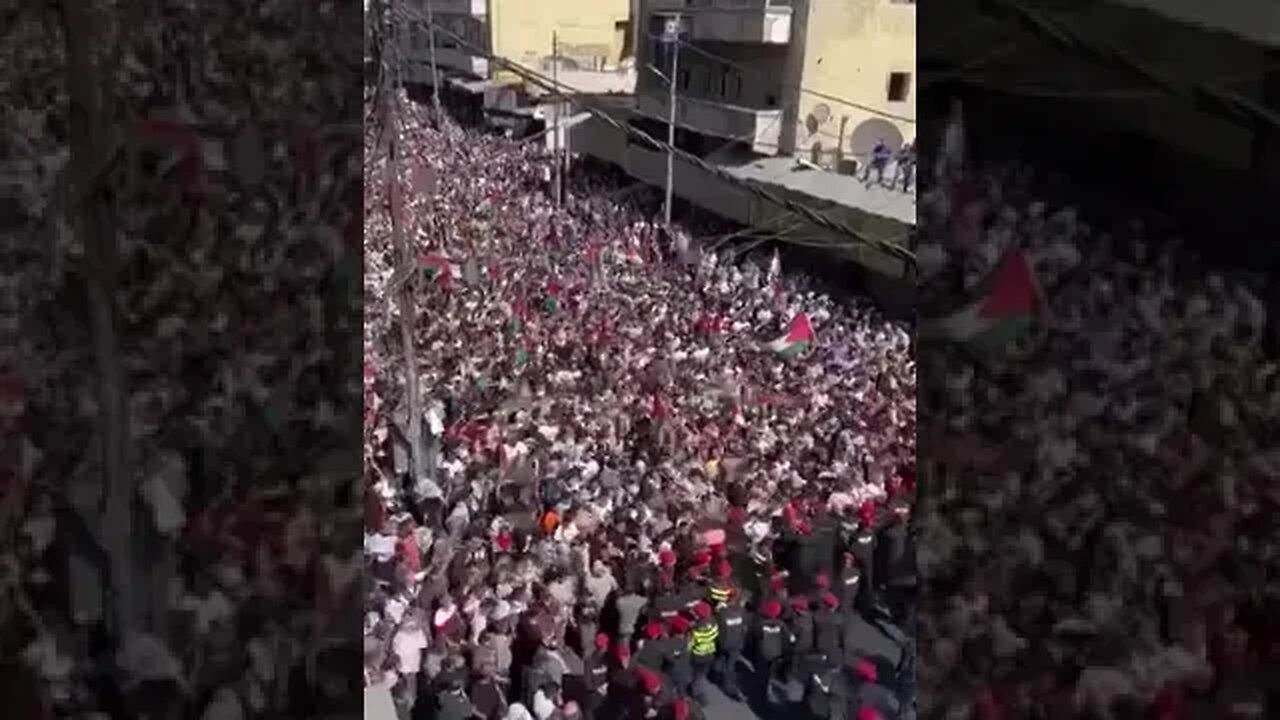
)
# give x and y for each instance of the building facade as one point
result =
(823, 79)
(589, 41)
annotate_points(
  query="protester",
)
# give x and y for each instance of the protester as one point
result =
(625, 463)
(1097, 544)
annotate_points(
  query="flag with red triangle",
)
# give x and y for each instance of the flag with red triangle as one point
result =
(798, 338)
(1005, 309)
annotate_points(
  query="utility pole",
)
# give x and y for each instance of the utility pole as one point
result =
(555, 113)
(390, 131)
(672, 38)
(435, 69)
(90, 103)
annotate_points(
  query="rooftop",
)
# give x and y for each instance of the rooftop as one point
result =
(845, 190)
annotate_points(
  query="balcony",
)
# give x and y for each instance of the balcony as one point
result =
(450, 61)
(761, 127)
(766, 22)
(474, 8)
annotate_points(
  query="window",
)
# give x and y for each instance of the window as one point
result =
(724, 82)
(899, 86)
(736, 87)
(682, 79)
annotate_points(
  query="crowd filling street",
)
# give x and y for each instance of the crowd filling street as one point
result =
(1096, 538)
(634, 504)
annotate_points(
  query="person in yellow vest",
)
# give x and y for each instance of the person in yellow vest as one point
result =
(721, 589)
(702, 645)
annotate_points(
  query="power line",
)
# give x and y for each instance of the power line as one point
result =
(804, 90)
(889, 248)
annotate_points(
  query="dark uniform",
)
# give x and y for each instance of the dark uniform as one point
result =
(801, 627)
(827, 694)
(862, 545)
(772, 641)
(733, 638)
(847, 584)
(595, 681)
(666, 606)
(677, 663)
(652, 651)
(828, 629)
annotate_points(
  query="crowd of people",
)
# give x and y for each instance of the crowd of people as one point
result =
(632, 505)
(1096, 540)
(213, 212)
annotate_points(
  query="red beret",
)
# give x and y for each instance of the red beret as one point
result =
(777, 583)
(679, 624)
(650, 680)
(866, 712)
(702, 558)
(867, 510)
(680, 709)
(866, 670)
(800, 602)
(702, 611)
(725, 569)
(771, 609)
(666, 557)
(602, 641)
(822, 581)
(653, 630)
(830, 600)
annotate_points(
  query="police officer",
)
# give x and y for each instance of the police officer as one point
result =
(867, 692)
(666, 606)
(702, 644)
(801, 626)
(721, 589)
(733, 638)
(595, 676)
(862, 545)
(772, 640)
(652, 651)
(647, 704)
(828, 627)
(847, 581)
(693, 590)
(827, 695)
(676, 660)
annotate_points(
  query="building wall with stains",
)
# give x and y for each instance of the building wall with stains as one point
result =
(862, 52)
(593, 34)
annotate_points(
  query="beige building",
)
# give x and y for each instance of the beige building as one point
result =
(823, 79)
(589, 42)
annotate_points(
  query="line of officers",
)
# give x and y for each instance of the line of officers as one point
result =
(801, 640)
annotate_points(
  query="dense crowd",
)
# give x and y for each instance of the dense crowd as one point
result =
(1101, 544)
(630, 498)
(212, 211)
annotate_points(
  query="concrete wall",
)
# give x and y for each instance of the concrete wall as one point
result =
(850, 48)
(592, 33)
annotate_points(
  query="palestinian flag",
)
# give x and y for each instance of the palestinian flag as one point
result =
(798, 338)
(439, 268)
(1002, 313)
